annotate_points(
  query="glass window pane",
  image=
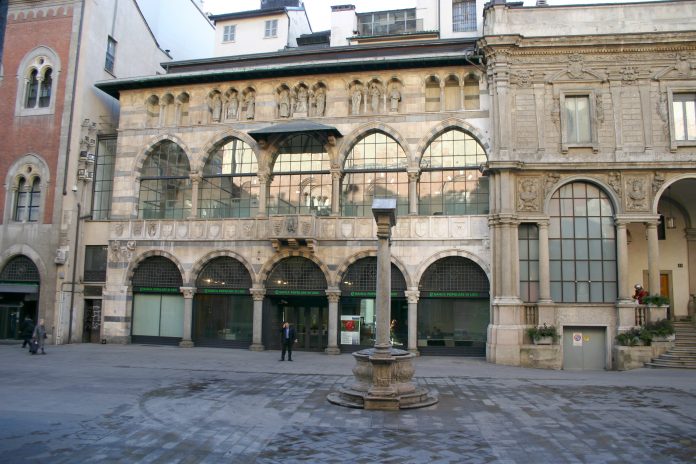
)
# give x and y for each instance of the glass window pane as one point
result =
(581, 251)
(568, 270)
(609, 271)
(596, 271)
(524, 271)
(172, 320)
(146, 314)
(608, 249)
(555, 270)
(580, 227)
(583, 292)
(678, 113)
(554, 249)
(597, 292)
(568, 249)
(534, 270)
(569, 291)
(595, 247)
(556, 294)
(609, 291)
(582, 270)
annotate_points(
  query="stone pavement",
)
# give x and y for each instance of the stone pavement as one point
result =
(133, 404)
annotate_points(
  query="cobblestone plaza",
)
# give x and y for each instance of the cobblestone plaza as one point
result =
(96, 403)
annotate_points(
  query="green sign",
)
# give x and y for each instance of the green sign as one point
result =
(370, 294)
(156, 290)
(455, 295)
(223, 291)
(298, 292)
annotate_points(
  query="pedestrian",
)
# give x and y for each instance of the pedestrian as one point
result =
(40, 336)
(287, 338)
(640, 293)
(27, 330)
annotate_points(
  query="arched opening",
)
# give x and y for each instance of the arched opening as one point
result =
(45, 89)
(19, 297)
(229, 184)
(358, 308)
(296, 291)
(452, 94)
(451, 182)
(454, 308)
(432, 94)
(374, 168)
(158, 305)
(223, 308)
(165, 187)
(32, 91)
(471, 93)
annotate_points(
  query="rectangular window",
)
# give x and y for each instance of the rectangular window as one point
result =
(271, 28)
(229, 33)
(95, 263)
(389, 22)
(103, 178)
(578, 123)
(684, 113)
(463, 15)
(110, 55)
(528, 240)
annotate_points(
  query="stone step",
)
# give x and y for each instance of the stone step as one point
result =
(676, 357)
(672, 365)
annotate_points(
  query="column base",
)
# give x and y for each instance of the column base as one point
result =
(414, 351)
(332, 350)
(257, 347)
(186, 344)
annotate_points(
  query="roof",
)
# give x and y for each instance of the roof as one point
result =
(294, 127)
(248, 14)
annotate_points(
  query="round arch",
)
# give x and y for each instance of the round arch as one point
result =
(200, 264)
(149, 254)
(27, 251)
(668, 183)
(453, 253)
(343, 268)
(608, 191)
(271, 263)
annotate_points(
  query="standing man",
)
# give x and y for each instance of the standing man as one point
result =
(40, 335)
(287, 338)
(27, 329)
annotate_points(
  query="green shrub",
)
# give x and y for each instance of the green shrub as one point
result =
(635, 336)
(657, 300)
(535, 333)
(661, 328)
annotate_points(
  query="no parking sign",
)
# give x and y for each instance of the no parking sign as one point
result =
(577, 338)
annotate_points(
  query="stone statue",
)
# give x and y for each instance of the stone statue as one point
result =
(356, 99)
(284, 104)
(232, 106)
(394, 99)
(320, 102)
(217, 107)
(374, 98)
(250, 101)
(302, 100)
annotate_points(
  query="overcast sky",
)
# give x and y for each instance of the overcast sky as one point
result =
(319, 11)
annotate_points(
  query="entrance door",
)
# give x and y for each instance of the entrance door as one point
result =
(10, 321)
(91, 327)
(584, 348)
(309, 317)
(664, 291)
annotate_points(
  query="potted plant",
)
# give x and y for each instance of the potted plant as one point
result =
(637, 336)
(662, 330)
(656, 300)
(543, 334)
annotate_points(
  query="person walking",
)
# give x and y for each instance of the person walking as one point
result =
(26, 330)
(287, 338)
(40, 336)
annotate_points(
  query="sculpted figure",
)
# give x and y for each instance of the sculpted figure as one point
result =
(302, 100)
(320, 102)
(233, 106)
(284, 104)
(374, 98)
(356, 98)
(250, 101)
(394, 99)
(217, 108)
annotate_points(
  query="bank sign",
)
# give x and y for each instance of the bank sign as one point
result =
(454, 295)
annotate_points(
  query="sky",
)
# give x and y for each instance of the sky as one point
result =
(319, 11)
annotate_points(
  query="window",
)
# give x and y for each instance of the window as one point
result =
(451, 182)
(374, 168)
(32, 89)
(95, 263)
(228, 33)
(20, 200)
(684, 114)
(229, 185)
(34, 200)
(301, 178)
(110, 55)
(104, 178)
(38, 70)
(271, 28)
(165, 188)
(45, 89)
(463, 15)
(388, 22)
(528, 239)
(582, 245)
(577, 112)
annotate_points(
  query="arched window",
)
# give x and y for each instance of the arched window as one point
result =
(32, 91)
(432, 94)
(451, 182)
(452, 94)
(301, 178)
(34, 200)
(20, 269)
(582, 245)
(229, 186)
(45, 89)
(374, 168)
(21, 200)
(165, 188)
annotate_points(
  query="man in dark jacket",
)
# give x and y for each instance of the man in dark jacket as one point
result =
(287, 338)
(40, 335)
(26, 330)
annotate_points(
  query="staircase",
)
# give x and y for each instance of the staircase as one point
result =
(683, 355)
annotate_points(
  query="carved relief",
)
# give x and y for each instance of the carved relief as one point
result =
(575, 64)
(319, 100)
(599, 108)
(523, 78)
(528, 194)
(658, 180)
(167, 230)
(152, 230)
(662, 111)
(375, 96)
(214, 230)
(182, 230)
(284, 106)
(356, 94)
(550, 181)
(636, 195)
(232, 104)
(555, 112)
(683, 65)
(215, 106)
(614, 180)
(301, 100)
(118, 230)
(137, 229)
(121, 251)
(629, 74)
(394, 98)
(249, 103)
(248, 229)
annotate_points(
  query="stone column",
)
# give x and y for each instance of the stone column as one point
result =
(195, 181)
(336, 177)
(264, 184)
(188, 292)
(413, 296)
(413, 192)
(545, 304)
(442, 95)
(334, 295)
(258, 294)
(653, 259)
(162, 113)
(625, 308)
(384, 211)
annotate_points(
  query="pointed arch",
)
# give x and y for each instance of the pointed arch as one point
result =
(350, 140)
(145, 151)
(451, 123)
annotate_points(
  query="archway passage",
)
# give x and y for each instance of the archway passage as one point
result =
(158, 306)
(19, 296)
(358, 312)
(223, 308)
(296, 292)
(454, 308)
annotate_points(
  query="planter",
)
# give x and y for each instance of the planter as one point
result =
(664, 338)
(631, 357)
(543, 341)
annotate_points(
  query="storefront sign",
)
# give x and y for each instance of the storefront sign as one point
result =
(223, 291)
(370, 294)
(454, 295)
(283, 292)
(156, 290)
(350, 330)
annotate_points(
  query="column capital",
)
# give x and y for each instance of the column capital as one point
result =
(333, 294)
(258, 294)
(543, 223)
(651, 224)
(188, 292)
(690, 235)
(413, 175)
(412, 295)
